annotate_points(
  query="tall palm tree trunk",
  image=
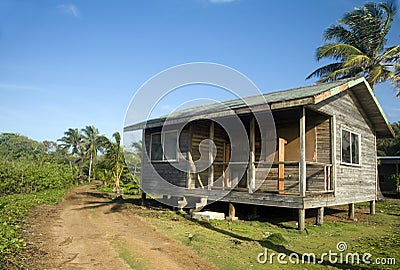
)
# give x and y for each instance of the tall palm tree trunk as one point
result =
(90, 166)
(117, 187)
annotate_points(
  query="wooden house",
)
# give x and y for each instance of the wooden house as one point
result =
(325, 150)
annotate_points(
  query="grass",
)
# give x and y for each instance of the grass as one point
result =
(13, 209)
(133, 261)
(236, 245)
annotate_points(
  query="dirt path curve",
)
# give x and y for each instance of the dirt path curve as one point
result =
(86, 231)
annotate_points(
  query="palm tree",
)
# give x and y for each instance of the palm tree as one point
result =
(92, 143)
(115, 156)
(71, 140)
(358, 47)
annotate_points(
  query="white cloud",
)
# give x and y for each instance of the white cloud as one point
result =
(69, 9)
(221, 1)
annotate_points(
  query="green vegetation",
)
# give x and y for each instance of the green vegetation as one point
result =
(28, 166)
(236, 245)
(358, 47)
(33, 173)
(13, 209)
(133, 261)
(390, 147)
(95, 157)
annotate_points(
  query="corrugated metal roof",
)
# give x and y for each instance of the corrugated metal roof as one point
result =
(273, 97)
(309, 94)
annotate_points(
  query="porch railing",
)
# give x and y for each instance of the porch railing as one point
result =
(276, 177)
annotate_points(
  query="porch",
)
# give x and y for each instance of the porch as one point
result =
(302, 164)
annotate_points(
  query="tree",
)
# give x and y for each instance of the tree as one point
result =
(71, 140)
(115, 157)
(358, 47)
(134, 158)
(14, 146)
(390, 147)
(92, 142)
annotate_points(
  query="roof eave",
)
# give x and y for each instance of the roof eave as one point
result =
(350, 84)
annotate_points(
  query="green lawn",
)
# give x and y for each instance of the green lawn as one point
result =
(236, 245)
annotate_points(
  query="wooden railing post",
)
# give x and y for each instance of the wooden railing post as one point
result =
(210, 157)
(252, 169)
(303, 175)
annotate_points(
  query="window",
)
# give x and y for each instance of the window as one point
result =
(167, 139)
(350, 147)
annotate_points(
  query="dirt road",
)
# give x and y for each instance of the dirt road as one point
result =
(87, 231)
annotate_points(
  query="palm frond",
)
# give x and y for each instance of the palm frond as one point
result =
(359, 60)
(322, 71)
(339, 74)
(374, 74)
(390, 55)
(395, 79)
(359, 51)
(339, 34)
(337, 51)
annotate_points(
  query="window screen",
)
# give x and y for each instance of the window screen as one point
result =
(350, 147)
(169, 141)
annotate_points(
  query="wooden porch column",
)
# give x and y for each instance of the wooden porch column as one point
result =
(252, 168)
(333, 153)
(191, 172)
(281, 166)
(210, 158)
(302, 218)
(320, 216)
(351, 211)
(144, 150)
(302, 163)
(372, 207)
(227, 175)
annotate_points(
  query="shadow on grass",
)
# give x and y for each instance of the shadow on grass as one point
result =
(277, 248)
(272, 215)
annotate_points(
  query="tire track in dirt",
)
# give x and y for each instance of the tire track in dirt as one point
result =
(87, 231)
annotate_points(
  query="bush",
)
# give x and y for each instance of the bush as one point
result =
(396, 179)
(27, 176)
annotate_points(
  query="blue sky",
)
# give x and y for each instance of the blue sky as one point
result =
(76, 63)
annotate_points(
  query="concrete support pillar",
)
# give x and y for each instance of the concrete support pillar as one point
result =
(351, 211)
(302, 218)
(320, 216)
(143, 199)
(232, 212)
(372, 207)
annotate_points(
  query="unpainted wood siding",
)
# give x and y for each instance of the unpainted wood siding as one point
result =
(164, 169)
(353, 183)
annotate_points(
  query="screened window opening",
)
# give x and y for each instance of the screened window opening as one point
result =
(350, 147)
(170, 142)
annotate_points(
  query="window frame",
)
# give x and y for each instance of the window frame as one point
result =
(162, 138)
(351, 148)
